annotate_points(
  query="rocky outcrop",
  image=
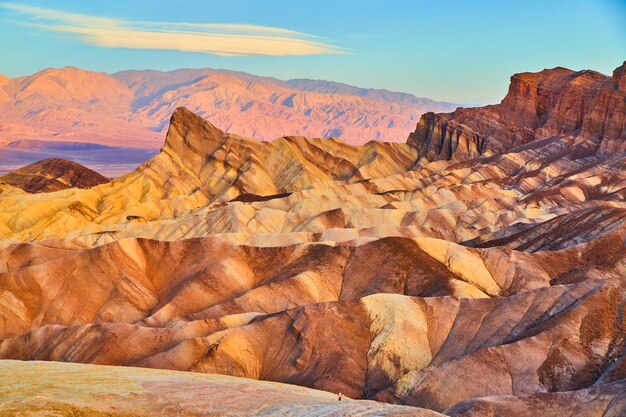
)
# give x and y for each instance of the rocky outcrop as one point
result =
(53, 174)
(557, 102)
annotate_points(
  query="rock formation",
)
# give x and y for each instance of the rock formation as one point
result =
(53, 175)
(485, 280)
(552, 103)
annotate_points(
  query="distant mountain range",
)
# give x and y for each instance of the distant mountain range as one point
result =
(132, 108)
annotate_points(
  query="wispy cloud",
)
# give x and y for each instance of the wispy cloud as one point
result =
(210, 38)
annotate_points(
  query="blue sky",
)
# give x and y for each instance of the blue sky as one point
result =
(462, 51)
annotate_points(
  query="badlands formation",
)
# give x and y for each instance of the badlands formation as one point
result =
(476, 270)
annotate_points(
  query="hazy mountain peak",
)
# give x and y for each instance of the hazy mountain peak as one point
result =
(133, 108)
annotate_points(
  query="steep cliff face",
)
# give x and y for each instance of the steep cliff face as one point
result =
(554, 102)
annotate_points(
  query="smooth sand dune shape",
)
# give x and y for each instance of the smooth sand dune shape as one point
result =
(476, 270)
(47, 388)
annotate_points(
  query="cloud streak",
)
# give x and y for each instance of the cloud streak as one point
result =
(209, 38)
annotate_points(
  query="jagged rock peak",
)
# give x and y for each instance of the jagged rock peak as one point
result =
(584, 104)
(619, 77)
(189, 132)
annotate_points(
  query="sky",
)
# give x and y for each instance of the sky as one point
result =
(462, 51)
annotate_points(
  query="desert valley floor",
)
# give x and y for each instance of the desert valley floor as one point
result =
(479, 269)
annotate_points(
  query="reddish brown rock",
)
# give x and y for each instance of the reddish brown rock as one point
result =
(555, 102)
